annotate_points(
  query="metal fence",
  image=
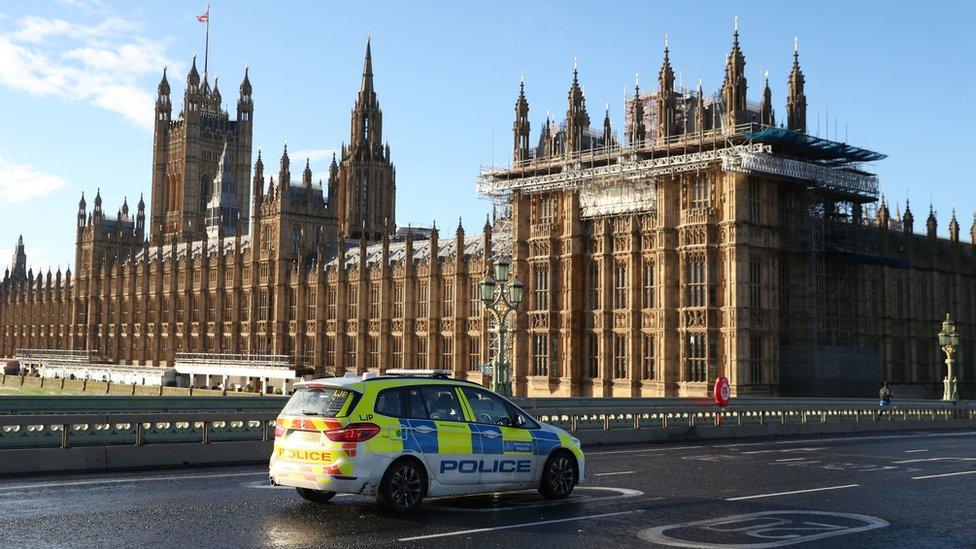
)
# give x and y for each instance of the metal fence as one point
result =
(133, 428)
(106, 421)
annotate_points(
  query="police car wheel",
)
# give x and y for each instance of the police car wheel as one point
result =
(403, 487)
(315, 496)
(558, 476)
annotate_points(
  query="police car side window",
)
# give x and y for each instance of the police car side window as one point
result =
(389, 402)
(413, 401)
(442, 403)
(487, 407)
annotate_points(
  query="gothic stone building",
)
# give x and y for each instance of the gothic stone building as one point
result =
(706, 241)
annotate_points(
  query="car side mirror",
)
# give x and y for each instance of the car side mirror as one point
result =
(519, 421)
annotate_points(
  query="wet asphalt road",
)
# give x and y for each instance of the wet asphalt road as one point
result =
(886, 490)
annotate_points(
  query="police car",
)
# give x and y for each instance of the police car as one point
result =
(409, 434)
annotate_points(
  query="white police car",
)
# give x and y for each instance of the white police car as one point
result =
(407, 435)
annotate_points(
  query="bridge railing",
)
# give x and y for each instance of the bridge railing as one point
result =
(134, 428)
(590, 414)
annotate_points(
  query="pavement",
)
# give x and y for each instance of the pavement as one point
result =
(914, 489)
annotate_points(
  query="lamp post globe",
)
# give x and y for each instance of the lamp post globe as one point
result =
(487, 289)
(515, 293)
(502, 266)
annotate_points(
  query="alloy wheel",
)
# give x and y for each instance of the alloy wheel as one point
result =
(561, 475)
(406, 486)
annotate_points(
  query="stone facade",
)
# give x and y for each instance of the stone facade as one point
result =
(711, 243)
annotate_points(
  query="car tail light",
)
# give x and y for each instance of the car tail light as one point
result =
(354, 432)
(279, 431)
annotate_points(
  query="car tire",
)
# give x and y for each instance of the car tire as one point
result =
(315, 496)
(558, 476)
(403, 486)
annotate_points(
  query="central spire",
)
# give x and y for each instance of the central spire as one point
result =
(367, 84)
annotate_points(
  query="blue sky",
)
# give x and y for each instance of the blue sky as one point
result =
(77, 81)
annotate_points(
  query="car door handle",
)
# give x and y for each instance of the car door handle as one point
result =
(490, 434)
(423, 429)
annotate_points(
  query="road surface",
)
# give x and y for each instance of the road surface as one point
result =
(892, 490)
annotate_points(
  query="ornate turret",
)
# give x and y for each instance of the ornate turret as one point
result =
(521, 126)
(97, 214)
(666, 100)
(333, 196)
(545, 139)
(637, 134)
(954, 228)
(367, 179)
(284, 172)
(796, 101)
(608, 140)
(81, 210)
(164, 106)
(701, 120)
(734, 86)
(766, 105)
(193, 77)
(141, 215)
(307, 174)
(908, 220)
(931, 224)
(577, 119)
(215, 98)
(972, 231)
(245, 103)
(884, 216)
(258, 183)
(18, 263)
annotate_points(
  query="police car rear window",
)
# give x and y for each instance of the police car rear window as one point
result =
(317, 401)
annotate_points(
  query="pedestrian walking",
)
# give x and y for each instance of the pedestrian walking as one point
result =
(886, 395)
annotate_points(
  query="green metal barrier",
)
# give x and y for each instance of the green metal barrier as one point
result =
(15, 405)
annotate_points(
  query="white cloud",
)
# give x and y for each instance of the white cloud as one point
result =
(100, 64)
(22, 182)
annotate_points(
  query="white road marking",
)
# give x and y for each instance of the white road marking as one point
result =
(920, 460)
(762, 530)
(613, 473)
(664, 449)
(957, 473)
(757, 496)
(123, 480)
(914, 451)
(792, 459)
(521, 525)
(785, 450)
(849, 439)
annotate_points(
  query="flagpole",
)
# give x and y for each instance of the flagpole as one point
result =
(206, 45)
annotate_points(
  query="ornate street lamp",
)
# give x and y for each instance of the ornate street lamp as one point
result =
(501, 297)
(949, 341)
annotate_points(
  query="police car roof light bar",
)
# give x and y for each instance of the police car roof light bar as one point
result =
(419, 372)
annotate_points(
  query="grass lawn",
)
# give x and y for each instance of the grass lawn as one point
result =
(27, 390)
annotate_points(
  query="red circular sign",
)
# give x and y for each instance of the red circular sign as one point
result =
(722, 392)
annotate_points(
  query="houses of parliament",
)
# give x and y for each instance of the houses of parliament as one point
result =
(705, 240)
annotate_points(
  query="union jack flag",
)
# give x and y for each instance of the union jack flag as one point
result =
(205, 17)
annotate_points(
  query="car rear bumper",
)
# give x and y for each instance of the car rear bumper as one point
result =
(285, 474)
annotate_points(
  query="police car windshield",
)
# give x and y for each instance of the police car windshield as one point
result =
(316, 401)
